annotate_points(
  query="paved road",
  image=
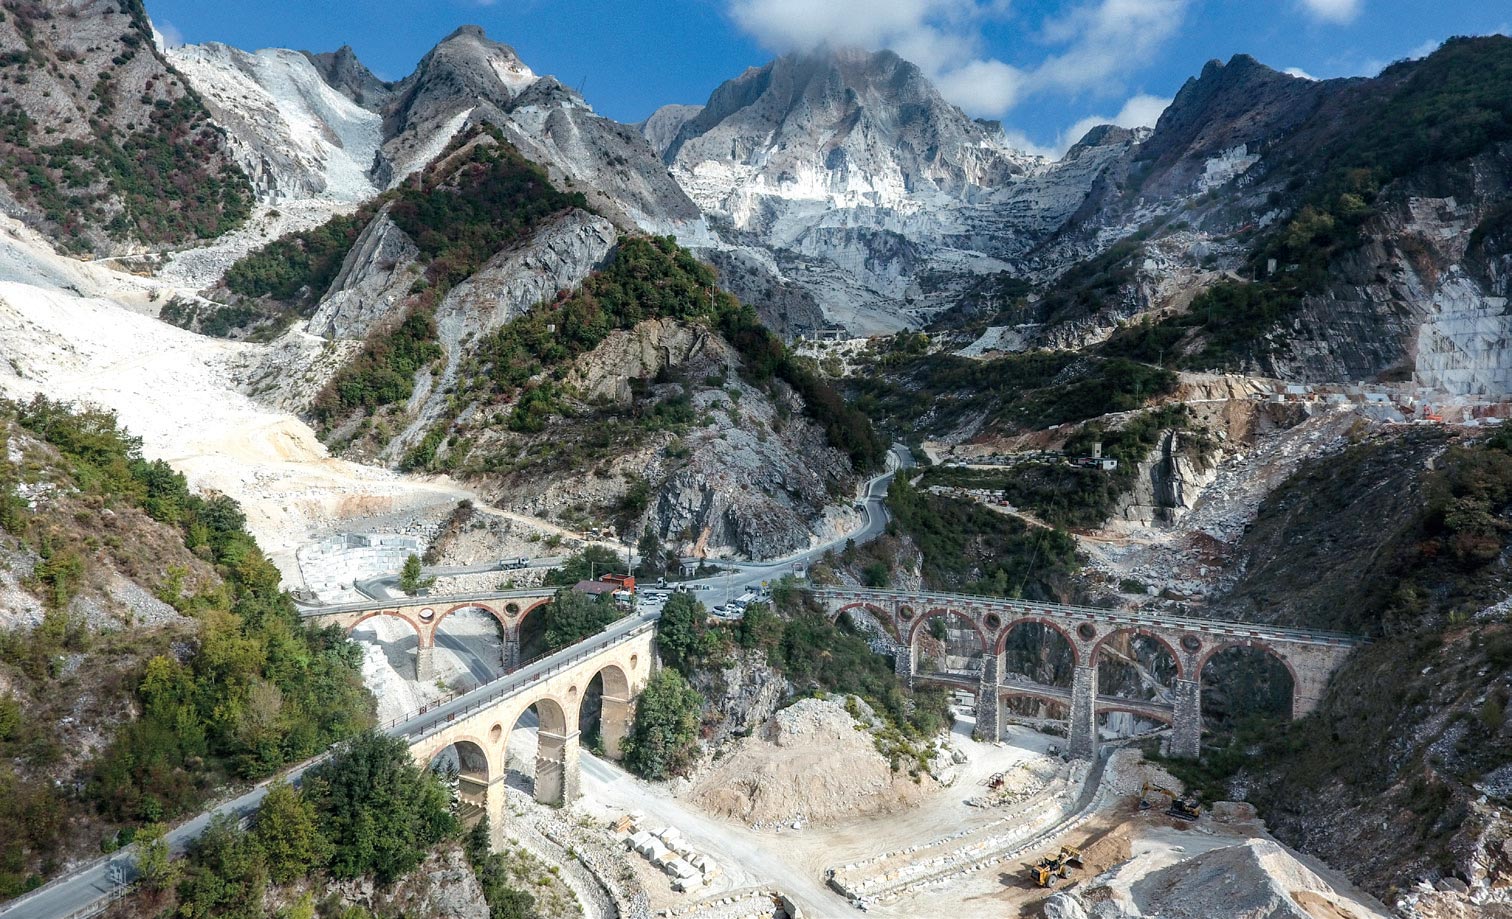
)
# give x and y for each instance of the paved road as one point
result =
(92, 884)
(384, 586)
(738, 577)
(717, 590)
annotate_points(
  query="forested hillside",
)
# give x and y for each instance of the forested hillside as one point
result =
(149, 656)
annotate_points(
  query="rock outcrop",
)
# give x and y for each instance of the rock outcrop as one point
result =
(91, 82)
(295, 135)
(375, 278)
(812, 762)
(469, 79)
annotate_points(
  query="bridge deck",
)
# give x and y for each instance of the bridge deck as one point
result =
(1163, 711)
(316, 612)
(426, 722)
(924, 601)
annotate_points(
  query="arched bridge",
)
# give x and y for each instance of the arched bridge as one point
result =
(1309, 656)
(425, 615)
(478, 724)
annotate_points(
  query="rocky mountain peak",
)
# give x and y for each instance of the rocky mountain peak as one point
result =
(1229, 105)
(342, 70)
(832, 99)
(467, 69)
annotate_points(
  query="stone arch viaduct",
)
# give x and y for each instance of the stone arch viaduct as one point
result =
(425, 615)
(478, 723)
(1309, 656)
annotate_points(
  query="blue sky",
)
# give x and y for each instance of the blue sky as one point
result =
(1048, 69)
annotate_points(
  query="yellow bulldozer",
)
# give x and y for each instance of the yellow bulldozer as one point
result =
(1182, 807)
(1050, 868)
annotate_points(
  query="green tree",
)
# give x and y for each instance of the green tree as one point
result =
(683, 637)
(287, 830)
(653, 562)
(154, 863)
(592, 562)
(664, 739)
(412, 579)
(571, 617)
(227, 875)
(380, 812)
(505, 901)
(759, 628)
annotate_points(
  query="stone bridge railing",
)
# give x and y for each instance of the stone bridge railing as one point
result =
(1309, 655)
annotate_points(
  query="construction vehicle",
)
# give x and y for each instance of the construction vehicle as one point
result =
(1050, 867)
(1182, 807)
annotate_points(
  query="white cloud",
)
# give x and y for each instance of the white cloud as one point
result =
(937, 35)
(1425, 49)
(168, 34)
(1300, 73)
(982, 86)
(1141, 111)
(1104, 40)
(1333, 10)
(1089, 49)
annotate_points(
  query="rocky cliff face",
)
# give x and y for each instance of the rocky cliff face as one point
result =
(745, 474)
(557, 258)
(292, 132)
(90, 104)
(468, 79)
(347, 75)
(375, 278)
(1410, 285)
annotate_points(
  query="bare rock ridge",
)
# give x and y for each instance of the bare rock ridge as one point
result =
(469, 79)
(292, 133)
(348, 76)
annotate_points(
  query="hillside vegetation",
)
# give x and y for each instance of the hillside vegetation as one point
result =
(101, 140)
(1406, 760)
(224, 683)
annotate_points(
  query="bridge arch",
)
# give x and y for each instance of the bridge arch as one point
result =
(942, 612)
(1132, 707)
(530, 629)
(497, 615)
(1257, 644)
(1051, 624)
(606, 709)
(1262, 656)
(1036, 707)
(420, 630)
(1147, 632)
(470, 771)
(543, 767)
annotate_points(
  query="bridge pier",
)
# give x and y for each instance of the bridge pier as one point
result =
(1083, 727)
(1186, 722)
(425, 665)
(511, 650)
(1307, 692)
(614, 724)
(557, 774)
(493, 802)
(903, 663)
(989, 706)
